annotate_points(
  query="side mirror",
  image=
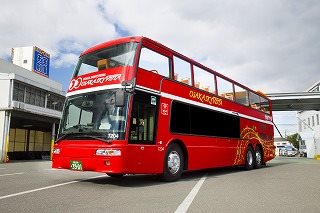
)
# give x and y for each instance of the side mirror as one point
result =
(128, 86)
(120, 98)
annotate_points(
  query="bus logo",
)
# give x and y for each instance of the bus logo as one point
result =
(164, 109)
(95, 80)
(75, 83)
(205, 98)
(160, 149)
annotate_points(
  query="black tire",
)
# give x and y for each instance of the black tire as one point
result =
(115, 175)
(250, 158)
(258, 158)
(173, 163)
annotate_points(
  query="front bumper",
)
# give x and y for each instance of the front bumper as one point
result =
(103, 164)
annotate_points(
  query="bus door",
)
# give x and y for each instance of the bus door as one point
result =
(142, 135)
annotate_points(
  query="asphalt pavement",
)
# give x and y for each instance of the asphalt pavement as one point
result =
(284, 185)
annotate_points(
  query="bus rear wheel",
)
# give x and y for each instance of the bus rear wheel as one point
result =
(173, 163)
(250, 158)
(258, 161)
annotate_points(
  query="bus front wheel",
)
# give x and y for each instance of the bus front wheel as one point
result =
(173, 163)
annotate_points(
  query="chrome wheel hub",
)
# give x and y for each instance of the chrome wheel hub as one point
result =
(174, 162)
(249, 158)
(258, 158)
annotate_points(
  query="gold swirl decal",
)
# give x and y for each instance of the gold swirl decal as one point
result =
(249, 134)
(205, 98)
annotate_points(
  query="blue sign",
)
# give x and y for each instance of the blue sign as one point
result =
(41, 62)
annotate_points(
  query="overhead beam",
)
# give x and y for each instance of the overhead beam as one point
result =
(302, 101)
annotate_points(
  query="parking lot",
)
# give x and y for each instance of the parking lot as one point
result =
(284, 185)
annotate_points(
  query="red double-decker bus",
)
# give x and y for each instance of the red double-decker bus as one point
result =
(135, 106)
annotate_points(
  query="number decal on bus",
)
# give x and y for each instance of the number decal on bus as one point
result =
(113, 136)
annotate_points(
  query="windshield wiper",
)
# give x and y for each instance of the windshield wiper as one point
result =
(95, 137)
(64, 136)
(79, 135)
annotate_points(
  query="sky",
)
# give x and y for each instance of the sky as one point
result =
(271, 46)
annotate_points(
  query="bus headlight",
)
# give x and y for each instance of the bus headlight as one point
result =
(108, 152)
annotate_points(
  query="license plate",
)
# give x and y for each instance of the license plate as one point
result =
(76, 165)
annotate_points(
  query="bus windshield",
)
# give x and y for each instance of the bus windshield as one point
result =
(94, 115)
(115, 56)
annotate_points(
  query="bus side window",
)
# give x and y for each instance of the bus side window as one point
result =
(264, 105)
(154, 62)
(241, 95)
(254, 100)
(204, 80)
(182, 71)
(225, 88)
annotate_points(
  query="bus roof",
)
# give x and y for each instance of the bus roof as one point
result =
(112, 42)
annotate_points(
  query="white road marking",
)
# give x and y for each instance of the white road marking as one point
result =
(183, 207)
(11, 174)
(48, 187)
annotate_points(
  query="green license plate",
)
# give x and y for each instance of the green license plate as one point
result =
(76, 165)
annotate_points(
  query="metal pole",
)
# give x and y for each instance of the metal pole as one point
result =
(277, 129)
(53, 135)
(6, 135)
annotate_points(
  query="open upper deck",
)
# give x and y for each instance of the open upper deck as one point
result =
(119, 60)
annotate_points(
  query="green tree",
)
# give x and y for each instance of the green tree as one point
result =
(294, 139)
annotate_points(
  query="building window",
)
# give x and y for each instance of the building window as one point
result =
(40, 98)
(55, 102)
(30, 95)
(317, 119)
(35, 96)
(18, 92)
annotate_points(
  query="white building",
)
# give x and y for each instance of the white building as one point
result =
(309, 127)
(30, 111)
